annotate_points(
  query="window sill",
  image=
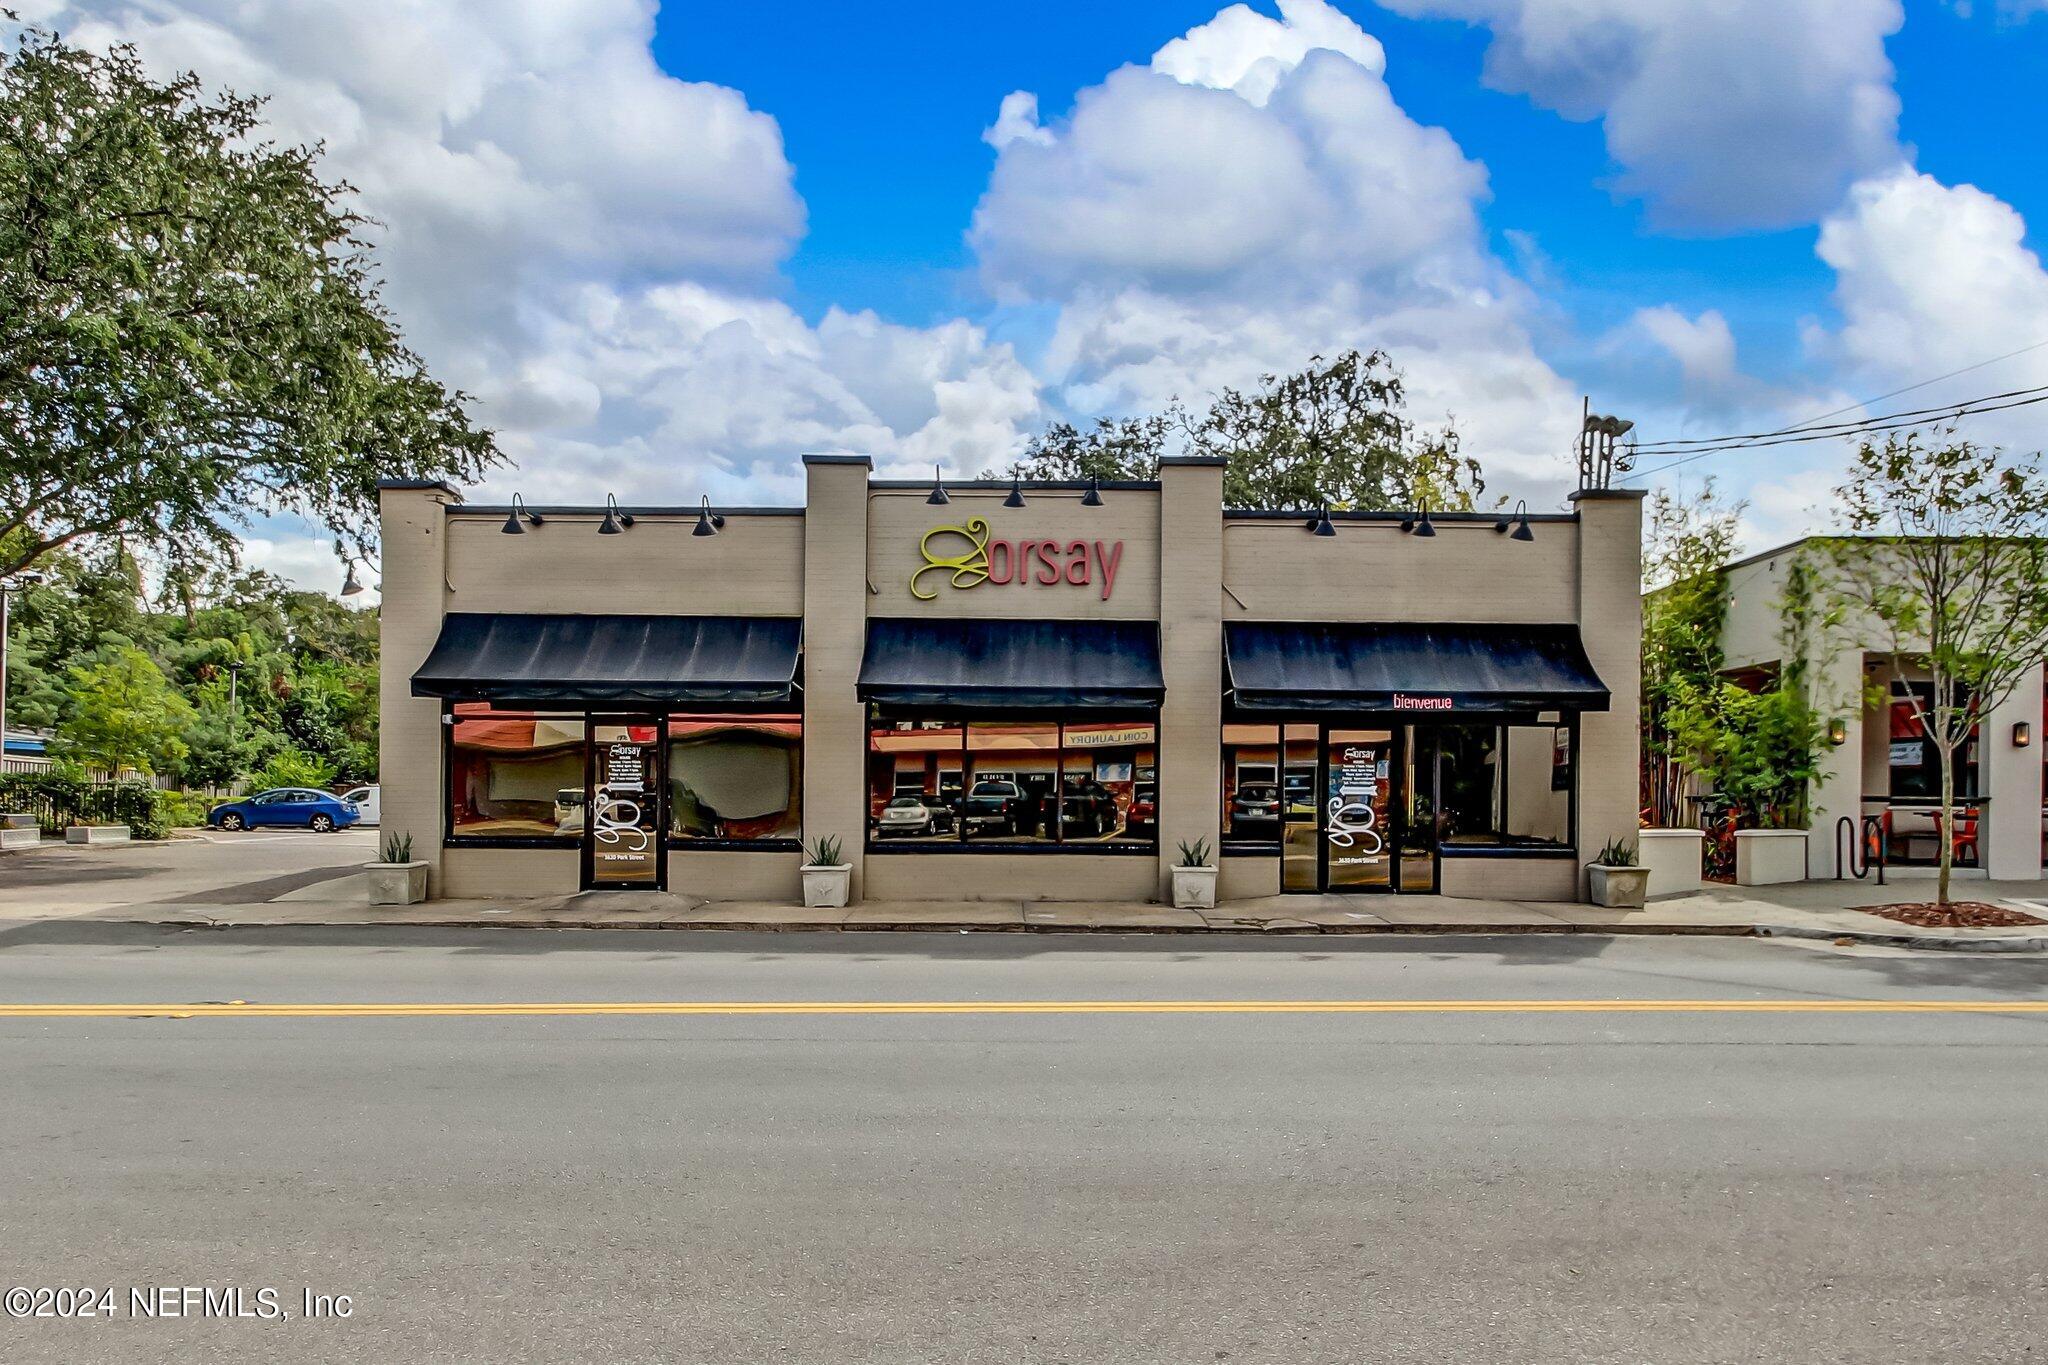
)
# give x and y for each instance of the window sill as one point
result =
(736, 845)
(1122, 850)
(509, 841)
(1505, 851)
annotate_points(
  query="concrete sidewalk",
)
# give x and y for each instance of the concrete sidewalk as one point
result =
(1820, 910)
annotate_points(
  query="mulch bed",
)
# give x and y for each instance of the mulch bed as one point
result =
(1954, 915)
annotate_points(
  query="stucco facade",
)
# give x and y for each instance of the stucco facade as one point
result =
(1159, 561)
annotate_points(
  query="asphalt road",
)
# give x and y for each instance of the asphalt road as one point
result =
(1616, 1184)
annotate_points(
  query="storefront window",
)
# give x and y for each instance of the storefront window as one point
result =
(1072, 785)
(1503, 786)
(734, 777)
(1251, 784)
(1914, 761)
(515, 775)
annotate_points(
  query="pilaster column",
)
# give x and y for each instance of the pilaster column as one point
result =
(413, 598)
(2011, 777)
(1610, 599)
(835, 633)
(1191, 657)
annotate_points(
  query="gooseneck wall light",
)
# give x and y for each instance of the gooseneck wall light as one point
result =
(938, 496)
(1093, 497)
(351, 586)
(1016, 498)
(1419, 526)
(709, 523)
(1519, 518)
(513, 519)
(615, 520)
(1320, 524)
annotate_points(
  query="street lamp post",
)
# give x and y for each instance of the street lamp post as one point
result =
(20, 580)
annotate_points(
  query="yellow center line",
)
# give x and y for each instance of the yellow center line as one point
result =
(242, 1010)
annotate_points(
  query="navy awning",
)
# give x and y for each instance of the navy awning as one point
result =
(983, 665)
(1408, 666)
(612, 660)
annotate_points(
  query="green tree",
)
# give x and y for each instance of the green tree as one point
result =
(1951, 568)
(1686, 540)
(125, 715)
(1336, 432)
(190, 331)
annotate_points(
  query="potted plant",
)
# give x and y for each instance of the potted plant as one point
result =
(828, 877)
(1194, 879)
(397, 879)
(1618, 882)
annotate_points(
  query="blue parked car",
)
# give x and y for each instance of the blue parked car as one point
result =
(296, 806)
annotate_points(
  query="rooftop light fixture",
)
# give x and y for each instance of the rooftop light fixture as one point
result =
(1420, 525)
(615, 520)
(709, 523)
(1016, 498)
(1320, 524)
(351, 586)
(1520, 519)
(939, 497)
(1093, 497)
(512, 526)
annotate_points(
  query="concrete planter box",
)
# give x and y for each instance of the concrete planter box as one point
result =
(827, 886)
(1673, 858)
(1618, 888)
(1769, 857)
(17, 819)
(396, 883)
(13, 836)
(1194, 888)
(97, 834)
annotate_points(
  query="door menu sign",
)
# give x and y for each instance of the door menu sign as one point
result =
(966, 556)
(1353, 816)
(621, 820)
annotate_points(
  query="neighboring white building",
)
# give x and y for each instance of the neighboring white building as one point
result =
(1882, 766)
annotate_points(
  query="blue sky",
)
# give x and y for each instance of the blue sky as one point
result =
(671, 247)
(891, 187)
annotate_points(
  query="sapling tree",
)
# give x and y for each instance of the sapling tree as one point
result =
(1949, 570)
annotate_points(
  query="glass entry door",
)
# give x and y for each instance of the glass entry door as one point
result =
(623, 846)
(1358, 838)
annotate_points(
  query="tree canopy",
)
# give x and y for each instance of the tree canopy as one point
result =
(191, 334)
(1335, 432)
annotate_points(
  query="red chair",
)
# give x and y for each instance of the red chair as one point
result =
(1964, 836)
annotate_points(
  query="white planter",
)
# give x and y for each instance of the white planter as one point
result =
(396, 883)
(1194, 888)
(96, 834)
(12, 836)
(827, 887)
(1673, 857)
(1769, 857)
(1618, 888)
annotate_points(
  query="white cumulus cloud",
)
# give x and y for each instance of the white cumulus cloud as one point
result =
(1722, 114)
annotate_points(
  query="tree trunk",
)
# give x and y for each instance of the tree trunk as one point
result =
(1946, 828)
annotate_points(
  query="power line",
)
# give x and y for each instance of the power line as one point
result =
(1815, 426)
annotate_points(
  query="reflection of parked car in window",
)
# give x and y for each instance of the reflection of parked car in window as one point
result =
(1143, 818)
(1087, 810)
(1255, 809)
(994, 807)
(569, 810)
(913, 815)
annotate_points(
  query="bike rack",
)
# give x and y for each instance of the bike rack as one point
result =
(1861, 839)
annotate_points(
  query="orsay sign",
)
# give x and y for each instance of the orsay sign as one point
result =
(967, 556)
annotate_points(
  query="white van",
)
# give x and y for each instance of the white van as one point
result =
(366, 799)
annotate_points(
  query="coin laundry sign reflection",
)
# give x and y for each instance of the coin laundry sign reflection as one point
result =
(967, 556)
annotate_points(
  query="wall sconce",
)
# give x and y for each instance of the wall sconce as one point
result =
(1419, 526)
(512, 518)
(938, 496)
(2022, 734)
(1093, 497)
(1016, 498)
(1520, 518)
(614, 519)
(709, 523)
(1320, 524)
(1838, 732)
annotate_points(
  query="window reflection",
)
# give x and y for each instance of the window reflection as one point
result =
(734, 777)
(514, 774)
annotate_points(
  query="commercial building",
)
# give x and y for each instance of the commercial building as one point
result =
(1036, 691)
(1880, 764)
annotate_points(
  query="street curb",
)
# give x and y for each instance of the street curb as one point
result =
(968, 927)
(1939, 942)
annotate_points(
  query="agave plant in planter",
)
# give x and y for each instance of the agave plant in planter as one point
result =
(828, 877)
(1617, 879)
(397, 878)
(1194, 877)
